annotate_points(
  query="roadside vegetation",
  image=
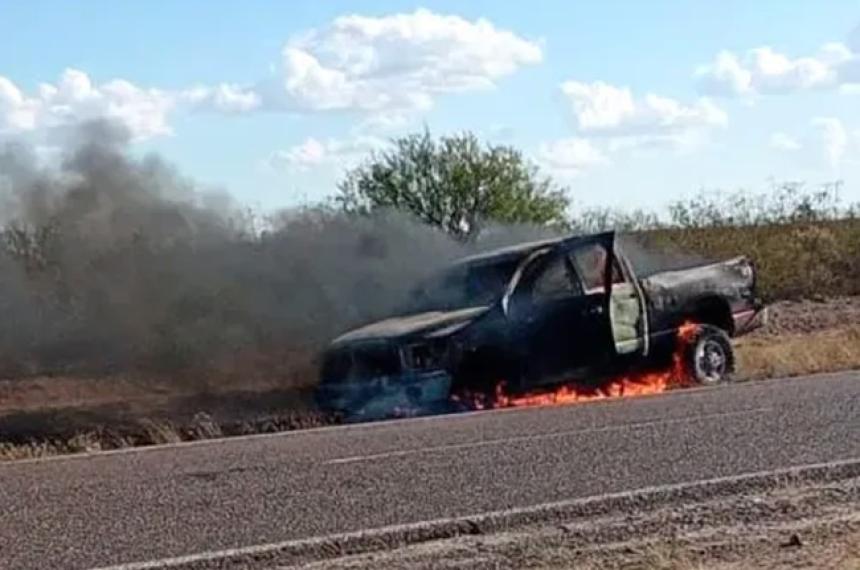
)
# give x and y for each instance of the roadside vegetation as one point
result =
(455, 184)
(117, 266)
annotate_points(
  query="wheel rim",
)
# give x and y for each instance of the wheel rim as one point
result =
(710, 361)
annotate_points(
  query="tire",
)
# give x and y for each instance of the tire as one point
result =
(709, 356)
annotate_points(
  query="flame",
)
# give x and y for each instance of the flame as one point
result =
(637, 384)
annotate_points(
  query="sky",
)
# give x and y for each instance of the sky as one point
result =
(627, 104)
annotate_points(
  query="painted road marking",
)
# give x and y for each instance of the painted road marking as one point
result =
(537, 437)
(217, 558)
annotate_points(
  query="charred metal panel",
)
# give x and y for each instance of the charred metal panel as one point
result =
(674, 295)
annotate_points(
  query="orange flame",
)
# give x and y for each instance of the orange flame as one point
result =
(637, 384)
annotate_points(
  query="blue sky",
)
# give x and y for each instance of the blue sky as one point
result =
(629, 104)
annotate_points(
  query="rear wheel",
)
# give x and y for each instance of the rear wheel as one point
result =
(710, 357)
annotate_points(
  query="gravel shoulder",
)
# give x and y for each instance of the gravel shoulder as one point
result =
(793, 525)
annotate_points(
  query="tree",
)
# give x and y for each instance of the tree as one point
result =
(454, 183)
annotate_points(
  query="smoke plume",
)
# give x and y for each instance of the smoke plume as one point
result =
(110, 263)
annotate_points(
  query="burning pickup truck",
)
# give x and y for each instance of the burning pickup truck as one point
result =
(537, 318)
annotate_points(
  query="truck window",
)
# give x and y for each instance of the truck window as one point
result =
(554, 282)
(464, 286)
(590, 261)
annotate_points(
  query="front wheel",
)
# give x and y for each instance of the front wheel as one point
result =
(709, 356)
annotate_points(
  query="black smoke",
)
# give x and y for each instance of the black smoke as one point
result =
(110, 263)
(113, 263)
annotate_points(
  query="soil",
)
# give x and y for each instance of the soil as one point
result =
(806, 316)
(795, 526)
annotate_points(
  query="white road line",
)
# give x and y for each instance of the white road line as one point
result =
(536, 437)
(214, 556)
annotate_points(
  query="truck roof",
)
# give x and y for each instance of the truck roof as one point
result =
(519, 250)
(511, 251)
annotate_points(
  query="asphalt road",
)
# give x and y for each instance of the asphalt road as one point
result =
(153, 503)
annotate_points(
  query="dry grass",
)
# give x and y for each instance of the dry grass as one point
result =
(88, 442)
(786, 355)
(762, 356)
(659, 556)
(157, 432)
(665, 556)
(794, 261)
(851, 559)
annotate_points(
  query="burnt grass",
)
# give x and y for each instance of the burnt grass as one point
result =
(187, 418)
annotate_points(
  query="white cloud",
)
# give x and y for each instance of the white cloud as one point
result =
(570, 156)
(725, 76)
(599, 105)
(681, 141)
(395, 63)
(650, 121)
(833, 137)
(826, 138)
(17, 112)
(388, 67)
(601, 108)
(313, 153)
(226, 97)
(74, 98)
(783, 141)
(764, 70)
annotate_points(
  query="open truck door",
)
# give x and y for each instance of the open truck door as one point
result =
(628, 309)
(562, 314)
(603, 268)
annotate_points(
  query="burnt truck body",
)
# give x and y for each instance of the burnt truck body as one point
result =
(537, 315)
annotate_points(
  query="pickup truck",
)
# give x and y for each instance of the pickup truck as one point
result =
(537, 315)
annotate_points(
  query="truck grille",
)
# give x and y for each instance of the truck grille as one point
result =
(360, 362)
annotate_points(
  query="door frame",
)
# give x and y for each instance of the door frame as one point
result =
(562, 249)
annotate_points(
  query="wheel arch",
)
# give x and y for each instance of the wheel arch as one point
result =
(712, 310)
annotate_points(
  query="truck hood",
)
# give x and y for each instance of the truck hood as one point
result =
(432, 323)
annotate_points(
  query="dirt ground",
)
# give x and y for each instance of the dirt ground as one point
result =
(802, 337)
(799, 317)
(792, 527)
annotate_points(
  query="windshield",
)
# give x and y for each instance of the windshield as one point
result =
(465, 285)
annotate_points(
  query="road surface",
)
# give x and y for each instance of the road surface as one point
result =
(154, 503)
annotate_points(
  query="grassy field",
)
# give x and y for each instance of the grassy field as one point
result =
(800, 353)
(795, 260)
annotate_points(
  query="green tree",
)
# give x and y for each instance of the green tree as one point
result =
(455, 183)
